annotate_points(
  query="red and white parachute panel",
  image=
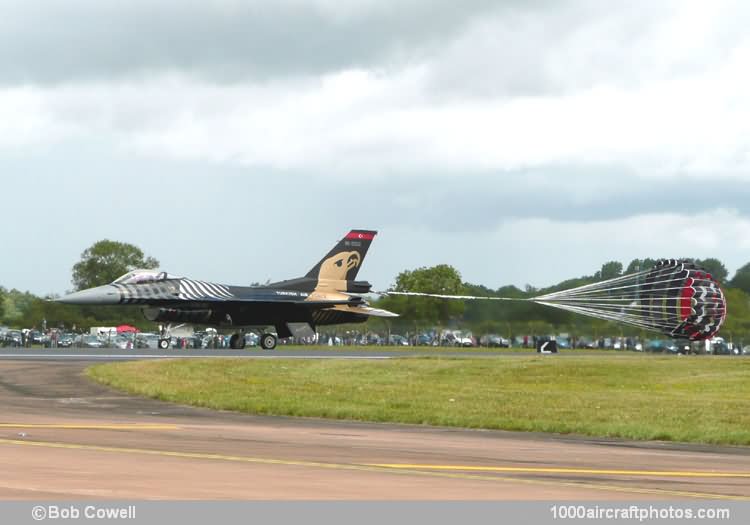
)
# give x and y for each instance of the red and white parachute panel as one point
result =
(675, 297)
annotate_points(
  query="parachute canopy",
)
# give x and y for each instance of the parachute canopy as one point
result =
(675, 297)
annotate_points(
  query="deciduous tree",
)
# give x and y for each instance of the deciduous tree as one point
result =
(609, 270)
(741, 279)
(440, 279)
(715, 267)
(640, 265)
(107, 260)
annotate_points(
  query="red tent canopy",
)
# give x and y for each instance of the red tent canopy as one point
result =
(124, 328)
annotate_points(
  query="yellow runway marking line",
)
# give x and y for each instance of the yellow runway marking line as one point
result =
(369, 468)
(84, 426)
(553, 470)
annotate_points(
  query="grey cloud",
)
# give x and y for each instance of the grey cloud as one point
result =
(217, 222)
(473, 203)
(580, 44)
(44, 42)
(476, 48)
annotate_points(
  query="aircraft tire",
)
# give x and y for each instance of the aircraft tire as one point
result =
(268, 341)
(234, 342)
(163, 344)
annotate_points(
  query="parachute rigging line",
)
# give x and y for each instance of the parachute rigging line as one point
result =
(675, 297)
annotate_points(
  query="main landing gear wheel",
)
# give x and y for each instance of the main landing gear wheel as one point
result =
(268, 341)
(163, 344)
(237, 341)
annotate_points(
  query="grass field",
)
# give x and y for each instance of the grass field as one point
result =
(688, 399)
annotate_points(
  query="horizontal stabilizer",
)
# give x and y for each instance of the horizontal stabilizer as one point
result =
(367, 310)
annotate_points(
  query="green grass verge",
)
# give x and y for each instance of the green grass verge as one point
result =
(688, 399)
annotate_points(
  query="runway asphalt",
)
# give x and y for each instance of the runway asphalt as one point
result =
(63, 437)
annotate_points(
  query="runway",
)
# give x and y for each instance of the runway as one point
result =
(63, 437)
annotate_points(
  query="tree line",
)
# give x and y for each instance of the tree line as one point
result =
(107, 260)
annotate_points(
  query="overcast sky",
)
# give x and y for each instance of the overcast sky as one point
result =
(236, 141)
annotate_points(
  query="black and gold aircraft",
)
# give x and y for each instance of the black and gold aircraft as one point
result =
(328, 294)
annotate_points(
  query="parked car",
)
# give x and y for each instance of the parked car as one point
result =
(719, 346)
(13, 338)
(398, 340)
(147, 341)
(88, 341)
(65, 340)
(210, 341)
(664, 346)
(122, 342)
(457, 338)
(494, 340)
(37, 337)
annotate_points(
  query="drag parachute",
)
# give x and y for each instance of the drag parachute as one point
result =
(675, 297)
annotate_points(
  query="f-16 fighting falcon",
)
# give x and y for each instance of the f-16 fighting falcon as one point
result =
(327, 295)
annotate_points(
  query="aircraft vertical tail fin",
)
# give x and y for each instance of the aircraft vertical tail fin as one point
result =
(345, 259)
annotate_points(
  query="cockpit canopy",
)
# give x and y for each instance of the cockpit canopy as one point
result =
(143, 276)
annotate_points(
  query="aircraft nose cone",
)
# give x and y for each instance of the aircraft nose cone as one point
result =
(106, 294)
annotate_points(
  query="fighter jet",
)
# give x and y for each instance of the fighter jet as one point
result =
(327, 295)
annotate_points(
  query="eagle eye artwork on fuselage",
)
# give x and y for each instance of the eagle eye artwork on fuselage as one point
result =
(328, 294)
